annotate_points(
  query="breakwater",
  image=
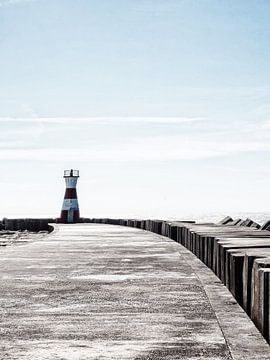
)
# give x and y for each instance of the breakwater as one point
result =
(237, 251)
(125, 293)
(29, 224)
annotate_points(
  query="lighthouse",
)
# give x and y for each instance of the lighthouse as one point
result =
(70, 209)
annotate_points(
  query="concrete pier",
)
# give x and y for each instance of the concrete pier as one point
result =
(93, 291)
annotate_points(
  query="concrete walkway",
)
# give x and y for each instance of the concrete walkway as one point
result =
(107, 292)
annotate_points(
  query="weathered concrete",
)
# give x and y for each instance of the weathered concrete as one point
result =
(34, 225)
(260, 295)
(107, 292)
(229, 250)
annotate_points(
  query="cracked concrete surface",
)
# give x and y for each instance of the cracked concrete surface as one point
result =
(91, 291)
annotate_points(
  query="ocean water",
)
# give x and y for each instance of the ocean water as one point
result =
(259, 217)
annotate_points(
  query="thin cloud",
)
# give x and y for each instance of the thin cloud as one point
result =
(96, 120)
(31, 141)
(14, 2)
(148, 149)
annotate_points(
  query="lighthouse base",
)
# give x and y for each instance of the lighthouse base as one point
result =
(69, 216)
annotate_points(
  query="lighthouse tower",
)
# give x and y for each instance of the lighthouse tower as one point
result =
(70, 209)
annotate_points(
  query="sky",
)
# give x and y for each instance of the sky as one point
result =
(163, 106)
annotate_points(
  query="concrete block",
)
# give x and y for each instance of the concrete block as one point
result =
(266, 225)
(249, 223)
(257, 291)
(158, 226)
(173, 232)
(225, 221)
(261, 316)
(247, 273)
(235, 282)
(235, 222)
(143, 223)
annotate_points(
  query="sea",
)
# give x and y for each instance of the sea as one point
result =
(258, 217)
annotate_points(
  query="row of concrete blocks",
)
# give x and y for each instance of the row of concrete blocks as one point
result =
(239, 255)
(33, 225)
(246, 222)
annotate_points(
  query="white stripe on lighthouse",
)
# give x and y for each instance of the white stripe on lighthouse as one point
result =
(69, 204)
(71, 182)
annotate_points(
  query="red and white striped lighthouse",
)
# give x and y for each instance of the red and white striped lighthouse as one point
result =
(70, 209)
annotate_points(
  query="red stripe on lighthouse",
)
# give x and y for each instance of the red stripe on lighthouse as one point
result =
(71, 193)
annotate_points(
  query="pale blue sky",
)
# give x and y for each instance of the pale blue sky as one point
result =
(163, 105)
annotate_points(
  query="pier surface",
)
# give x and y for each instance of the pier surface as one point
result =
(92, 291)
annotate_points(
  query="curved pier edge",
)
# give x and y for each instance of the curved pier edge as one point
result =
(244, 340)
(54, 228)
